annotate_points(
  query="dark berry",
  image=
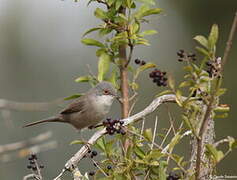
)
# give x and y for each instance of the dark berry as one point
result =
(143, 63)
(32, 162)
(104, 123)
(137, 61)
(89, 151)
(181, 55)
(173, 176)
(29, 166)
(94, 153)
(122, 131)
(180, 60)
(191, 55)
(41, 166)
(111, 132)
(121, 122)
(92, 173)
(109, 167)
(152, 74)
(34, 168)
(34, 156)
(208, 63)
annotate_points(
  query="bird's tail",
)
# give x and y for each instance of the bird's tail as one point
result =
(50, 119)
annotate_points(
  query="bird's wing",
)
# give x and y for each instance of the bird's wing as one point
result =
(75, 106)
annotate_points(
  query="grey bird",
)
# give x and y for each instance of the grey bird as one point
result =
(87, 110)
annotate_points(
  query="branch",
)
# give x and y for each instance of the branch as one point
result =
(31, 176)
(72, 163)
(22, 144)
(26, 106)
(230, 40)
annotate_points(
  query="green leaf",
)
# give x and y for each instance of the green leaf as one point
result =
(213, 36)
(232, 143)
(134, 86)
(221, 116)
(145, 67)
(83, 79)
(135, 28)
(154, 154)
(222, 108)
(99, 13)
(73, 96)
(114, 78)
(201, 40)
(162, 173)
(171, 82)
(92, 42)
(175, 140)
(221, 91)
(100, 144)
(148, 134)
(165, 92)
(91, 30)
(139, 152)
(118, 4)
(185, 84)
(148, 32)
(178, 98)
(103, 66)
(215, 154)
(129, 3)
(151, 12)
(203, 51)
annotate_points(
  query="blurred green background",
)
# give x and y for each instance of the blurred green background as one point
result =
(41, 55)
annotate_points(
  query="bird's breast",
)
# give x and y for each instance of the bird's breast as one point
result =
(102, 103)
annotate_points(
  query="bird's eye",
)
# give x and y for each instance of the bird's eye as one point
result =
(106, 91)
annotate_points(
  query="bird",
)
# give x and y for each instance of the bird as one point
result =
(87, 110)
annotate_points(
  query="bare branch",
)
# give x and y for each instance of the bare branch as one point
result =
(21, 144)
(28, 106)
(230, 39)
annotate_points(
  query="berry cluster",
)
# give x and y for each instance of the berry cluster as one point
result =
(33, 163)
(183, 56)
(140, 62)
(214, 67)
(114, 126)
(158, 77)
(173, 176)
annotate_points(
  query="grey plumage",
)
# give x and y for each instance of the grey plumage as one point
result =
(87, 110)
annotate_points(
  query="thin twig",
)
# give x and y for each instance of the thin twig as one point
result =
(91, 73)
(141, 136)
(230, 40)
(132, 107)
(97, 165)
(143, 126)
(166, 135)
(154, 133)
